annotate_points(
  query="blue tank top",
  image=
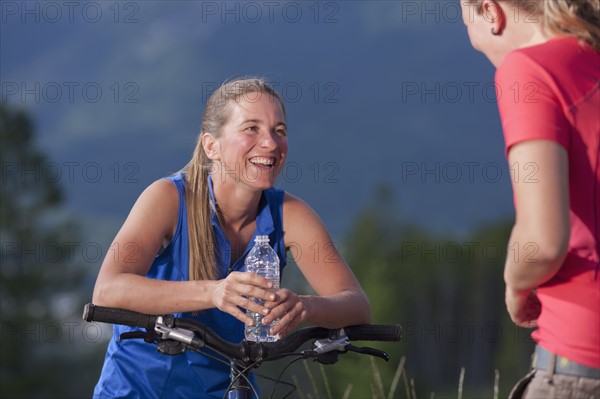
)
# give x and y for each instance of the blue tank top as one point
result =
(134, 369)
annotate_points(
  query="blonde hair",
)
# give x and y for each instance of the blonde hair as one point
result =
(202, 243)
(574, 18)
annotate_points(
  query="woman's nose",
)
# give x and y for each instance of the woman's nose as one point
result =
(268, 141)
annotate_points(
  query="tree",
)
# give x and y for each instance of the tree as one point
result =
(40, 274)
(448, 294)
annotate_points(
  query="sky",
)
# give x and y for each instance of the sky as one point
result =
(377, 92)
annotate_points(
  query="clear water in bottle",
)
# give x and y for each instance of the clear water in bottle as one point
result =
(262, 260)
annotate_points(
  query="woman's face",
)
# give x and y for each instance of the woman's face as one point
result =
(478, 28)
(485, 19)
(253, 143)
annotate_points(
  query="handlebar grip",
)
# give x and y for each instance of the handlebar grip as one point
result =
(102, 314)
(374, 332)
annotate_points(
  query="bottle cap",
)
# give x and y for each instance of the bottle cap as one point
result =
(261, 239)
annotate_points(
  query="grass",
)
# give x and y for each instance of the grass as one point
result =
(401, 385)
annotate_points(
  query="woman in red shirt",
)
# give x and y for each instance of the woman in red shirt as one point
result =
(547, 54)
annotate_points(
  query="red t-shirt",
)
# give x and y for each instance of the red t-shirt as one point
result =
(552, 92)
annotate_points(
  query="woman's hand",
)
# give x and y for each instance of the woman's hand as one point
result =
(233, 295)
(524, 307)
(290, 310)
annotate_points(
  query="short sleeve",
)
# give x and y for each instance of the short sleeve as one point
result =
(529, 104)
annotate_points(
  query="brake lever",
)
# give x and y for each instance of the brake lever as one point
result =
(133, 335)
(149, 336)
(368, 351)
(166, 346)
(326, 351)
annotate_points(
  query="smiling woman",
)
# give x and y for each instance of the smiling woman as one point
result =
(191, 233)
(228, 102)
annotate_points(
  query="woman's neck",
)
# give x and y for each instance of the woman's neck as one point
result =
(520, 35)
(238, 205)
(536, 37)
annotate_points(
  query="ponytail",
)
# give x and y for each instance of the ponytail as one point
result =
(202, 243)
(575, 18)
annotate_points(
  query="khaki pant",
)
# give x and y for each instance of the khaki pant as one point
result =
(542, 384)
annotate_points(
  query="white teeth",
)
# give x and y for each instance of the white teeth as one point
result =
(262, 161)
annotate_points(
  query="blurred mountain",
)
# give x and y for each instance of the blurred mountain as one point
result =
(377, 92)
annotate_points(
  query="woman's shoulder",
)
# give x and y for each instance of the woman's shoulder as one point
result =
(161, 195)
(556, 57)
(177, 179)
(291, 201)
(165, 186)
(295, 209)
(301, 223)
(154, 214)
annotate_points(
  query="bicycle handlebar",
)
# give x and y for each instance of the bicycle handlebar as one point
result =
(374, 332)
(103, 314)
(245, 351)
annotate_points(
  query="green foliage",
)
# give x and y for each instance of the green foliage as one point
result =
(447, 292)
(40, 276)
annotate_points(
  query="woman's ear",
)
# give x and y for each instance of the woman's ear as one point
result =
(494, 14)
(211, 146)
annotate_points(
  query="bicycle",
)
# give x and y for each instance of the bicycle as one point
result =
(174, 335)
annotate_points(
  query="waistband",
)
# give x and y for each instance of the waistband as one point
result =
(546, 360)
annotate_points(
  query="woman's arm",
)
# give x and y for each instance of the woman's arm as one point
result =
(151, 224)
(540, 236)
(340, 300)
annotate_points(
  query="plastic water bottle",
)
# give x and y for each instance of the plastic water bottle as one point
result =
(263, 261)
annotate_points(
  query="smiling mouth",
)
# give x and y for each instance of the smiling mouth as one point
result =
(263, 161)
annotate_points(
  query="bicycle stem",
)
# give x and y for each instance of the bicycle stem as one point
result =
(168, 332)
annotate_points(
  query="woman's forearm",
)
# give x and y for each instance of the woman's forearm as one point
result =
(539, 240)
(343, 309)
(146, 295)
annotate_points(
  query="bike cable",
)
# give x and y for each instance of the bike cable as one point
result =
(279, 381)
(242, 373)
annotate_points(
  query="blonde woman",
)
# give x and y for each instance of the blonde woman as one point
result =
(185, 241)
(548, 80)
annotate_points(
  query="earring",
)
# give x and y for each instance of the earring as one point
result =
(495, 32)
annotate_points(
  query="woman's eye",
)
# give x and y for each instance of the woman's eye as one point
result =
(252, 128)
(281, 132)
